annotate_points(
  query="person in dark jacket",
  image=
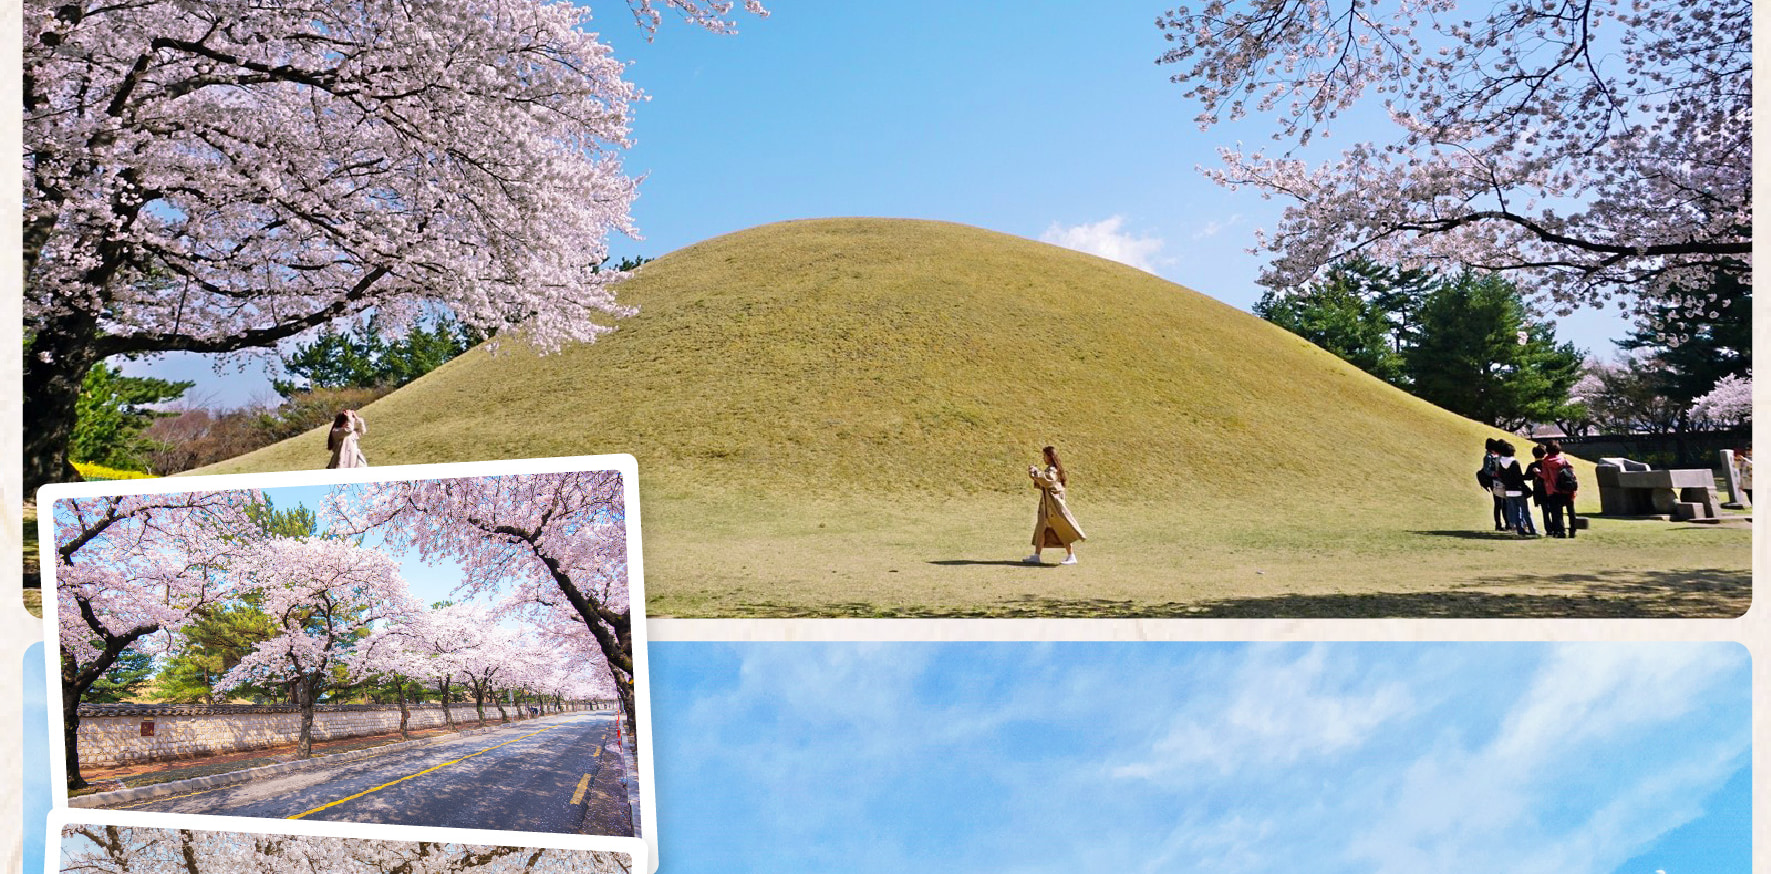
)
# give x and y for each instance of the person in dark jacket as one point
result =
(1490, 464)
(1510, 479)
(1539, 493)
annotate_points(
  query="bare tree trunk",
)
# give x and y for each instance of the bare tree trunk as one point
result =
(405, 715)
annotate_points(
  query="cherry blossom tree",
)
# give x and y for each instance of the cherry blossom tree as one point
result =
(1601, 146)
(466, 644)
(575, 671)
(442, 643)
(219, 176)
(323, 594)
(397, 652)
(489, 661)
(1729, 403)
(545, 542)
(110, 849)
(131, 570)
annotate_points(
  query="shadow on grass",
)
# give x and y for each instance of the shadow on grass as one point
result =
(952, 562)
(1471, 535)
(1700, 593)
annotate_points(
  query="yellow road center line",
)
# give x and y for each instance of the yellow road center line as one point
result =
(583, 786)
(420, 773)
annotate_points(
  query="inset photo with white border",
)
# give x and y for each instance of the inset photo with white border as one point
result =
(115, 843)
(454, 646)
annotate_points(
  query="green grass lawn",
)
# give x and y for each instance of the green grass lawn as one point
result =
(834, 417)
(961, 558)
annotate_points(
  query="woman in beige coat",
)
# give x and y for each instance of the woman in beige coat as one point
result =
(348, 429)
(1055, 526)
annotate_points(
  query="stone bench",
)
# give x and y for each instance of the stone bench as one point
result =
(1627, 490)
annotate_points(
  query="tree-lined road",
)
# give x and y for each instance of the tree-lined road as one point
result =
(534, 776)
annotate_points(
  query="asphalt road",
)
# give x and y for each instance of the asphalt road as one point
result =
(530, 776)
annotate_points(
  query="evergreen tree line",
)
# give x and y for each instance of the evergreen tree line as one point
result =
(1468, 342)
(123, 422)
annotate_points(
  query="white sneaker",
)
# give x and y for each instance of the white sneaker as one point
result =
(1069, 559)
(1031, 559)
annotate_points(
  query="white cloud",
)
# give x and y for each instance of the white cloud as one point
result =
(1107, 239)
(1023, 758)
(1281, 708)
(1546, 793)
(1213, 227)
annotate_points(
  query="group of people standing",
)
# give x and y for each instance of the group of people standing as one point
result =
(1548, 481)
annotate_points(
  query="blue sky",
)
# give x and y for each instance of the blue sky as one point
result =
(1151, 757)
(1147, 757)
(1044, 119)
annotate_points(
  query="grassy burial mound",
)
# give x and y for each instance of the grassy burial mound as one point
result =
(836, 416)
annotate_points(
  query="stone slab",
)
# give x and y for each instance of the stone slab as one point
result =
(1705, 496)
(1615, 501)
(1731, 479)
(1666, 479)
(1662, 500)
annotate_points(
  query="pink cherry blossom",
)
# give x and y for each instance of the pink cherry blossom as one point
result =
(1729, 403)
(1600, 148)
(109, 849)
(219, 176)
(130, 571)
(320, 594)
(552, 544)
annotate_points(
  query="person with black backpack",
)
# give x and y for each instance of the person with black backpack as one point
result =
(1559, 484)
(1485, 478)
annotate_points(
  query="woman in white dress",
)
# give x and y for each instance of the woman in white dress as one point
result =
(347, 429)
(1055, 527)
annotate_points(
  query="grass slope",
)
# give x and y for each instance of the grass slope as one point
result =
(835, 401)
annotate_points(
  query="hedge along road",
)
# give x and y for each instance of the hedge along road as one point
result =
(534, 777)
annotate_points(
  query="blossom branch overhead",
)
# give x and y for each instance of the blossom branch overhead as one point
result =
(1600, 146)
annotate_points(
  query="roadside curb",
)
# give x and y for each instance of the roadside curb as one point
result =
(247, 775)
(631, 782)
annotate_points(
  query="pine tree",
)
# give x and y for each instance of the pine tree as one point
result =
(1478, 354)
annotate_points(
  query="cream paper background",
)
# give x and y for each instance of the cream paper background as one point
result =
(19, 630)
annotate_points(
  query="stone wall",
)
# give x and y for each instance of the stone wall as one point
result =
(133, 734)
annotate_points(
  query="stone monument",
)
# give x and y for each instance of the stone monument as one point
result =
(1737, 499)
(1630, 488)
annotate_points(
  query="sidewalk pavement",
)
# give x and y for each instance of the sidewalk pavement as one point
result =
(608, 805)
